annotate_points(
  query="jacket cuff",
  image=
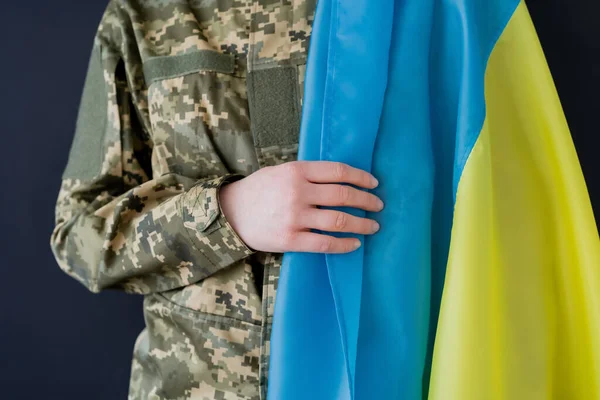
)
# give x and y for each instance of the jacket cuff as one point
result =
(207, 227)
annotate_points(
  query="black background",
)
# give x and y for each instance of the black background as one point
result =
(57, 341)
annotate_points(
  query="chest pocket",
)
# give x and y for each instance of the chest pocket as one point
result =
(199, 113)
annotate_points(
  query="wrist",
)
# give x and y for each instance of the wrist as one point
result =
(228, 194)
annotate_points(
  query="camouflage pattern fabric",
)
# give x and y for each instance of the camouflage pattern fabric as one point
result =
(164, 123)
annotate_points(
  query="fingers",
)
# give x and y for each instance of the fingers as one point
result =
(334, 172)
(343, 196)
(310, 242)
(338, 221)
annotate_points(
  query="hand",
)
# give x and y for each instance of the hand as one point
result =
(274, 209)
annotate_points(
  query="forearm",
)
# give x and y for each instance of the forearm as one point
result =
(166, 233)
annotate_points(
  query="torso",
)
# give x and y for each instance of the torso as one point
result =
(223, 88)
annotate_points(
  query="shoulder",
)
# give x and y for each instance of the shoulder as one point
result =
(172, 27)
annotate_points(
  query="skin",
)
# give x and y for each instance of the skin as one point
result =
(274, 209)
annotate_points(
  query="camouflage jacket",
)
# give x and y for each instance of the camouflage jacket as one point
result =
(181, 97)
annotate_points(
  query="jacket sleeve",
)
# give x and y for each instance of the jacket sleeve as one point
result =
(116, 225)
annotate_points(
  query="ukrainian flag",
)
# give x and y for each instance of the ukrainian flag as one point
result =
(484, 280)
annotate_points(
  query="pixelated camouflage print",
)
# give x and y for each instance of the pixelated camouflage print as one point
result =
(207, 227)
(183, 354)
(143, 241)
(272, 267)
(169, 28)
(123, 229)
(225, 25)
(271, 31)
(231, 292)
(196, 117)
(149, 221)
(272, 263)
(279, 31)
(165, 28)
(265, 353)
(116, 33)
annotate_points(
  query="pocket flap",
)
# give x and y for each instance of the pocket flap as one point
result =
(164, 67)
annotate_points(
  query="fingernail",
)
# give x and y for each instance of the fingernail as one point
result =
(380, 204)
(375, 227)
(356, 244)
(374, 181)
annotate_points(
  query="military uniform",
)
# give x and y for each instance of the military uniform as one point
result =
(180, 98)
